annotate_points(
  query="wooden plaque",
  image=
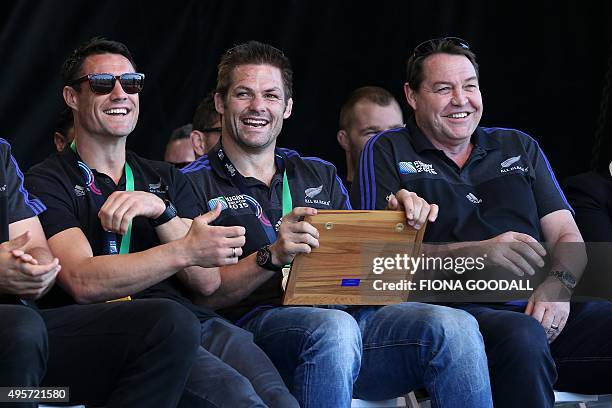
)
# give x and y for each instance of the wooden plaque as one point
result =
(340, 270)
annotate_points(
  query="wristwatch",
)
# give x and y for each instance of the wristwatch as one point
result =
(566, 278)
(168, 214)
(264, 259)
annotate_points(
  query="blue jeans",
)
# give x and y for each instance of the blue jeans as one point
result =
(524, 367)
(325, 355)
(231, 371)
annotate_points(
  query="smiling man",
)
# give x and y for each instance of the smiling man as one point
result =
(125, 227)
(497, 196)
(325, 355)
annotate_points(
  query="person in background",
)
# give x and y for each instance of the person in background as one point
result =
(367, 111)
(64, 129)
(206, 126)
(179, 151)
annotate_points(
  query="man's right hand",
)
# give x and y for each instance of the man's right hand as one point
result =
(515, 252)
(211, 246)
(295, 236)
(416, 208)
(21, 274)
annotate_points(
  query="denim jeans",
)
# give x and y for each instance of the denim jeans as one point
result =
(524, 368)
(325, 355)
(231, 371)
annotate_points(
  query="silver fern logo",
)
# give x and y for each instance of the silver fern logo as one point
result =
(313, 191)
(509, 162)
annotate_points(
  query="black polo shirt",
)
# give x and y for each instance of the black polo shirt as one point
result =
(15, 202)
(59, 183)
(506, 184)
(313, 183)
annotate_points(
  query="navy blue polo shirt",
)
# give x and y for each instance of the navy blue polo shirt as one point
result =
(15, 202)
(506, 184)
(59, 183)
(313, 183)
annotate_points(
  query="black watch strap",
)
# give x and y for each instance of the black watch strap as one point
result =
(168, 214)
(264, 259)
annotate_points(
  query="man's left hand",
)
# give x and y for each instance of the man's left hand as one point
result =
(122, 206)
(552, 315)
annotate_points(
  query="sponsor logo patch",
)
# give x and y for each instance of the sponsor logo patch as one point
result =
(212, 203)
(414, 167)
(79, 191)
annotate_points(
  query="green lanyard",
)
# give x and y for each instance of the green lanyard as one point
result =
(287, 201)
(99, 201)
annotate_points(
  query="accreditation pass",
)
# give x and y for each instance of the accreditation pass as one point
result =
(34, 394)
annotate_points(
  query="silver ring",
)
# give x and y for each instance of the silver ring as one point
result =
(233, 253)
(553, 327)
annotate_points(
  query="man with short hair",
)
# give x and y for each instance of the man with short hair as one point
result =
(127, 227)
(498, 196)
(325, 355)
(64, 129)
(206, 126)
(109, 354)
(179, 152)
(367, 112)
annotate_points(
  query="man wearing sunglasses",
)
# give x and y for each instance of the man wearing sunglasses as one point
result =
(206, 126)
(122, 227)
(325, 354)
(498, 197)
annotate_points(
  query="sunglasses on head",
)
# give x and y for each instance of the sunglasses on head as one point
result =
(131, 82)
(427, 47)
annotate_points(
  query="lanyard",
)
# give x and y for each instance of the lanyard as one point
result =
(110, 238)
(240, 183)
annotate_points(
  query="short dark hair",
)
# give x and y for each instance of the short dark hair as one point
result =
(71, 68)
(253, 52)
(374, 94)
(182, 132)
(414, 66)
(65, 120)
(206, 114)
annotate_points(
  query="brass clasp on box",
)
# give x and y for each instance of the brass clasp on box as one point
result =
(399, 227)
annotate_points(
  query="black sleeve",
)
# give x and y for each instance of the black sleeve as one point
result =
(548, 194)
(591, 198)
(61, 211)
(183, 196)
(21, 205)
(377, 176)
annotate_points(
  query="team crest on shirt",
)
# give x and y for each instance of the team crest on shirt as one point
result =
(238, 202)
(3, 188)
(311, 193)
(414, 167)
(508, 165)
(158, 188)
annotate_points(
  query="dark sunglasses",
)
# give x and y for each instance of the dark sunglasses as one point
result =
(426, 47)
(103, 84)
(211, 130)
